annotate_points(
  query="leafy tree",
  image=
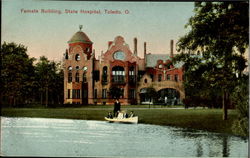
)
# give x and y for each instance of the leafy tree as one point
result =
(219, 30)
(49, 77)
(240, 98)
(16, 74)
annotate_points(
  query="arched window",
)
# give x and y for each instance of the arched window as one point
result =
(84, 77)
(69, 77)
(176, 77)
(105, 70)
(77, 68)
(159, 77)
(131, 71)
(77, 57)
(168, 77)
(77, 77)
(131, 74)
(104, 74)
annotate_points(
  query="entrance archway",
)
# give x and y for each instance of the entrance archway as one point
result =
(169, 96)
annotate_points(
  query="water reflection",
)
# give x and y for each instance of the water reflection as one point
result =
(225, 149)
(199, 149)
(58, 137)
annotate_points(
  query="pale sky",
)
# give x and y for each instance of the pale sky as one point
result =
(47, 33)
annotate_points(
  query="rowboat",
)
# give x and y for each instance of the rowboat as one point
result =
(123, 120)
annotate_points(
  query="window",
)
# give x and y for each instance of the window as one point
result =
(176, 77)
(96, 75)
(85, 68)
(104, 74)
(70, 68)
(87, 50)
(68, 93)
(76, 93)
(145, 81)
(77, 57)
(159, 77)
(77, 77)
(105, 70)
(131, 71)
(131, 74)
(118, 74)
(152, 77)
(104, 93)
(168, 77)
(84, 77)
(77, 68)
(69, 77)
(160, 66)
(131, 93)
(95, 94)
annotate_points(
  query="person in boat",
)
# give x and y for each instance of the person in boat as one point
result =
(110, 115)
(132, 114)
(117, 107)
(125, 115)
(120, 115)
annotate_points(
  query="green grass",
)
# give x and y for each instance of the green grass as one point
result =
(202, 119)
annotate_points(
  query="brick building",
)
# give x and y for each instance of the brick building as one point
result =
(88, 80)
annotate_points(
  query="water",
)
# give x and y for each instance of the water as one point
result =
(78, 138)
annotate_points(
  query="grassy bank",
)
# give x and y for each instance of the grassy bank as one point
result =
(203, 119)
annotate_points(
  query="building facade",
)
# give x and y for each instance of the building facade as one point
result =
(88, 80)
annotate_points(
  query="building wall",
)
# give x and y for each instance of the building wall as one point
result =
(88, 64)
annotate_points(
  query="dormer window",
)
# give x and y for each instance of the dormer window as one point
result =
(77, 57)
(87, 50)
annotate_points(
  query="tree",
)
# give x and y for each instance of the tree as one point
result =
(240, 98)
(49, 79)
(17, 74)
(220, 31)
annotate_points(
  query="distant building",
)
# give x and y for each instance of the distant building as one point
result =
(88, 80)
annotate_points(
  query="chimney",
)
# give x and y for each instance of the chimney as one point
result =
(135, 46)
(109, 43)
(172, 48)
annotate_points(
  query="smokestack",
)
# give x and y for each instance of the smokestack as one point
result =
(135, 46)
(145, 49)
(172, 48)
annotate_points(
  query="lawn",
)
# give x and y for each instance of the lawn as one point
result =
(202, 119)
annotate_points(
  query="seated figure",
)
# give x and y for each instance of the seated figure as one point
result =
(110, 115)
(120, 115)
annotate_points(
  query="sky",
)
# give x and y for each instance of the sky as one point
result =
(47, 33)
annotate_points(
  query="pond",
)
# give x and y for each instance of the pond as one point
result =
(82, 138)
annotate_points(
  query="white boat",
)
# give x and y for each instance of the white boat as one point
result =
(123, 120)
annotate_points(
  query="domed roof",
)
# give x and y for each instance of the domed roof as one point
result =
(80, 37)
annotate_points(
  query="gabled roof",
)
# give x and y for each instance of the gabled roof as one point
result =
(151, 60)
